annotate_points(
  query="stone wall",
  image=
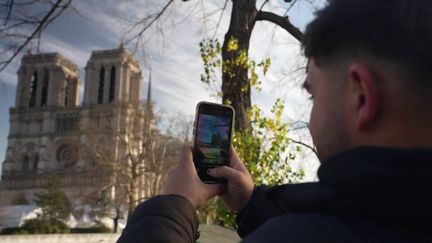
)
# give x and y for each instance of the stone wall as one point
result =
(60, 238)
(209, 234)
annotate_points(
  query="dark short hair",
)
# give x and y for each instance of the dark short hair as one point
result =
(395, 30)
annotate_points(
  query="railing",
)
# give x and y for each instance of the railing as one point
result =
(67, 179)
(66, 121)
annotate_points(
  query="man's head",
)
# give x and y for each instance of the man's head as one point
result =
(368, 72)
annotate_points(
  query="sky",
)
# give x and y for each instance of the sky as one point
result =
(171, 51)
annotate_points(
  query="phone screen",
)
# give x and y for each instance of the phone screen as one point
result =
(212, 137)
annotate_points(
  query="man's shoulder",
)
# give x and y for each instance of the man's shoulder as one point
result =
(311, 227)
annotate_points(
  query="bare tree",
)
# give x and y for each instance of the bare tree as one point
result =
(162, 156)
(166, 147)
(106, 206)
(134, 152)
(178, 125)
(23, 22)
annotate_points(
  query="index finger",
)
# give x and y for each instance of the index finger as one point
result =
(235, 161)
(186, 159)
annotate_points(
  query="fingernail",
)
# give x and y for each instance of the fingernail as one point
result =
(211, 172)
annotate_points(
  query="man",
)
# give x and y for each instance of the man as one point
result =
(369, 78)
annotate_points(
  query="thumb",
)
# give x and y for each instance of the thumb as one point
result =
(224, 172)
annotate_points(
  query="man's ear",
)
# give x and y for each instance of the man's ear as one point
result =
(364, 95)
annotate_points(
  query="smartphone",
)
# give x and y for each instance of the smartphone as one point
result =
(212, 138)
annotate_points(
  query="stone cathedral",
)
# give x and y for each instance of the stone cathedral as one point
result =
(45, 135)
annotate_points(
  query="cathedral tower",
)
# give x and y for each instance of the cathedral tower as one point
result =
(47, 80)
(112, 76)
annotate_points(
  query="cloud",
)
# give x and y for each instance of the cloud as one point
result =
(74, 53)
(9, 75)
(173, 53)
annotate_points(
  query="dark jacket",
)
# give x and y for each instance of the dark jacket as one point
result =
(366, 194)
(163, 219)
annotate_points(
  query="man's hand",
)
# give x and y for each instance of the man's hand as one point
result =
(183, 180)
(240, 185)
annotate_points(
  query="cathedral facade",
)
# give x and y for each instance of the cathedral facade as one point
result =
(46, 124)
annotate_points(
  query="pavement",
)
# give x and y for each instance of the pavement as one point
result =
(217, 234)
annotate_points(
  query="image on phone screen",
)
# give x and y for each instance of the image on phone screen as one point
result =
(213, 139)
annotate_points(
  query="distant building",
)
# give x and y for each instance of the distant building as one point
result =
(46, 134)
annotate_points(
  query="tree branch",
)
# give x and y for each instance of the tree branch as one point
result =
(281, 21)
(147, 25)
(305, 145)
(48, 18)
(11, 4)
(220, 18)
(262, 6)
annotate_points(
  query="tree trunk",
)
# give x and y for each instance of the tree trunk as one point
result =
(159, 183)
(132, 199)
(236, 89)
(116, 219)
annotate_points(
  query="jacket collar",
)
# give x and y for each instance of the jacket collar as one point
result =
(387, 184)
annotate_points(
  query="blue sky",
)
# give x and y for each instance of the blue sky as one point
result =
(173, 52)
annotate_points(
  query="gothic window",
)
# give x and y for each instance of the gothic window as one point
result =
(66, 156)
(25, 164)
(45, 81)
(112, 84)
(66, 123)
(101, 85)
(35, 162)
(66, 93)
(33, 89)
